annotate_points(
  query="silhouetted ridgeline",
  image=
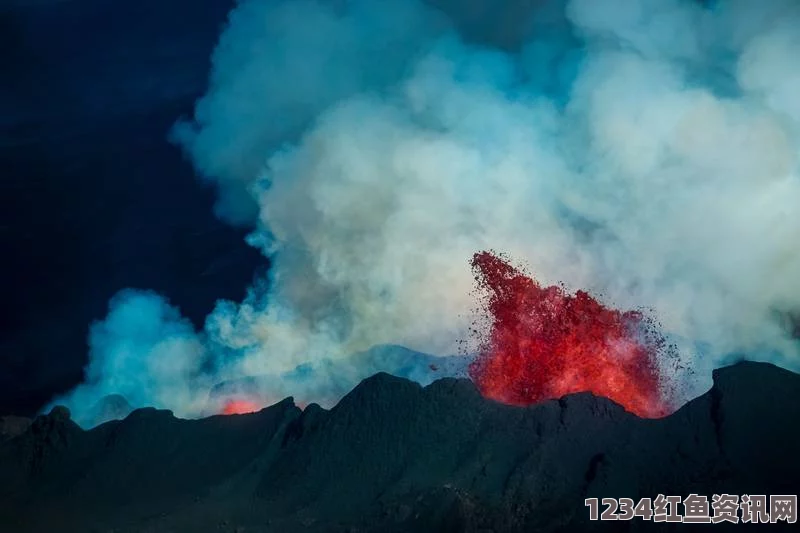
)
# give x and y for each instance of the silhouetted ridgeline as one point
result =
(394, 456)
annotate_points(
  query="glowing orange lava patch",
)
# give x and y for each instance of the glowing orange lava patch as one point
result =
(240, 407)
(544, 343)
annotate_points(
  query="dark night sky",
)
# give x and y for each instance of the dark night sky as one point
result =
(93, 197)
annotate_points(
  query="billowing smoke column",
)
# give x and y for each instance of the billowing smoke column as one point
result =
(642, 150)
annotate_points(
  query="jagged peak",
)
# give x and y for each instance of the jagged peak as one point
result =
(747, 370)
(381, 382)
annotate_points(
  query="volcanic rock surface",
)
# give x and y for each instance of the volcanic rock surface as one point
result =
(393, 456)
(327, 380)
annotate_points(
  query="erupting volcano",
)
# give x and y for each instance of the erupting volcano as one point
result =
(544, 343)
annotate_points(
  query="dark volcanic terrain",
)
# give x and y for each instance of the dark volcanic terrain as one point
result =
(394, 456)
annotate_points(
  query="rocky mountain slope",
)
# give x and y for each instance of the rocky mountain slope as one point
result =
(395, 456)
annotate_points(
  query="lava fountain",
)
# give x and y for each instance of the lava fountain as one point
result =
(544, 343)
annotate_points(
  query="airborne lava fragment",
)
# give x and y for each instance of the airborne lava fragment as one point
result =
(544, 343)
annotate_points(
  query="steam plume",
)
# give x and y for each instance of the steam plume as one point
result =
(645, 150)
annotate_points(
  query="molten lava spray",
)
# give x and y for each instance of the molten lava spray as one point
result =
(544, 344)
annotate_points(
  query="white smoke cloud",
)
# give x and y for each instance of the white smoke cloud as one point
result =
(145, 351)
(644, 150)
(278, 64)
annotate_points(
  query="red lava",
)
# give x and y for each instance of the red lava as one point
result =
(240, 407)
(544, 343)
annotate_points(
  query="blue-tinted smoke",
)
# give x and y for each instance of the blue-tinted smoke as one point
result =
(646, 150)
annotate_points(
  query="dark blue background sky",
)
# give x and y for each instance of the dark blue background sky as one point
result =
(93, 198)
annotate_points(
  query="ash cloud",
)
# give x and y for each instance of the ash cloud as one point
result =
(644, 150)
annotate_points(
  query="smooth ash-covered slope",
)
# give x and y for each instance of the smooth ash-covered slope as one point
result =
(394, 456)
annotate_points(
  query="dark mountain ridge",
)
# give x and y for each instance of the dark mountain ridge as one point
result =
(395, 456)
